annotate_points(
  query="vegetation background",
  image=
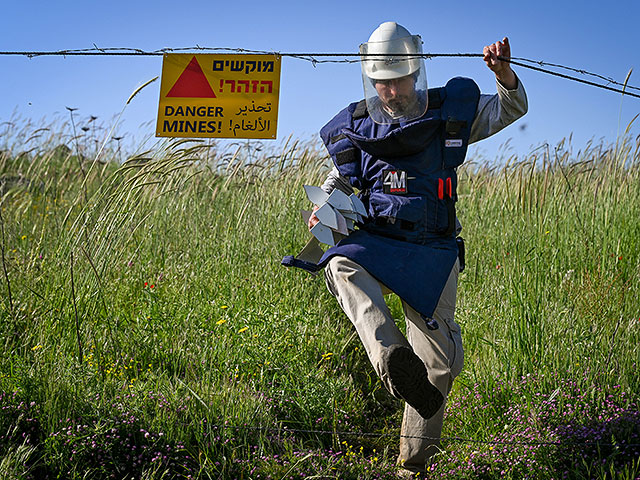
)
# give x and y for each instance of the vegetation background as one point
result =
(149, 331)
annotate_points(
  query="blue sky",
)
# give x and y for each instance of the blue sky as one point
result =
(595, 36)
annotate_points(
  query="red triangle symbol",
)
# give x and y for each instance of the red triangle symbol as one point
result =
(192, 83)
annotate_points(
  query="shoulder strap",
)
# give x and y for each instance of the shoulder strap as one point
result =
(343, 152)
(360, 110)
(435, 99)
(458, 112)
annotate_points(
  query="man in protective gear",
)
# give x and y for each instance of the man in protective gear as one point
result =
(399, 148)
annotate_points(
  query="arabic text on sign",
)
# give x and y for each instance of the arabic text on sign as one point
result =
(254, 109)
(258, 125)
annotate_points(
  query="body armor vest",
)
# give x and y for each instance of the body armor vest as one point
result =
(407, 180)
(406, 172)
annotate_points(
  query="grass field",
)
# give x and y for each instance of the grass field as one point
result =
(148, 330)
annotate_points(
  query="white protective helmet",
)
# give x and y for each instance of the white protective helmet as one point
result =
(392, 53)
(391, 38)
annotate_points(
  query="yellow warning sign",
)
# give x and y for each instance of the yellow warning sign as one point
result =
(219, 96)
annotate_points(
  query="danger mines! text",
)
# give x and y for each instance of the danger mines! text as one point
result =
(185, 126)
(193, 111)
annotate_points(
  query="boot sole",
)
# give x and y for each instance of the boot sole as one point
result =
(410, 380)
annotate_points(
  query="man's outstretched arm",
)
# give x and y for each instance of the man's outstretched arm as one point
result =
(509, 103)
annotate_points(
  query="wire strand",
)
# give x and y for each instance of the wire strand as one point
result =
(444, 439)
(337, 58)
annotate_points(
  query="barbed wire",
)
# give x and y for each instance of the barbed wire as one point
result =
(286, 429)
(321, 58)
(338, 433)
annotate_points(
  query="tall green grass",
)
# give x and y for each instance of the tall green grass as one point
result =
(552, 282)
(151, 287)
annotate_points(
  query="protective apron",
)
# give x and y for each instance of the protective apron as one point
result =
(406, 178)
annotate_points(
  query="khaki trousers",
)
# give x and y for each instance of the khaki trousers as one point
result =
(361, 297)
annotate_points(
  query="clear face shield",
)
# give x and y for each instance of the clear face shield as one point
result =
(394, 78)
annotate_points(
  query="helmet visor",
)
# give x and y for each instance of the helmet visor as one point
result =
(394, 79)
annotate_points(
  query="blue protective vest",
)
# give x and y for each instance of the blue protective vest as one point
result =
(407, 180)
(406, 172)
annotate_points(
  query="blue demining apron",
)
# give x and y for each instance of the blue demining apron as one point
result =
(406, 177)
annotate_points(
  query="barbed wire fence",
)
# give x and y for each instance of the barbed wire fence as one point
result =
(323, 57)
(284, 429)
(453, 439)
